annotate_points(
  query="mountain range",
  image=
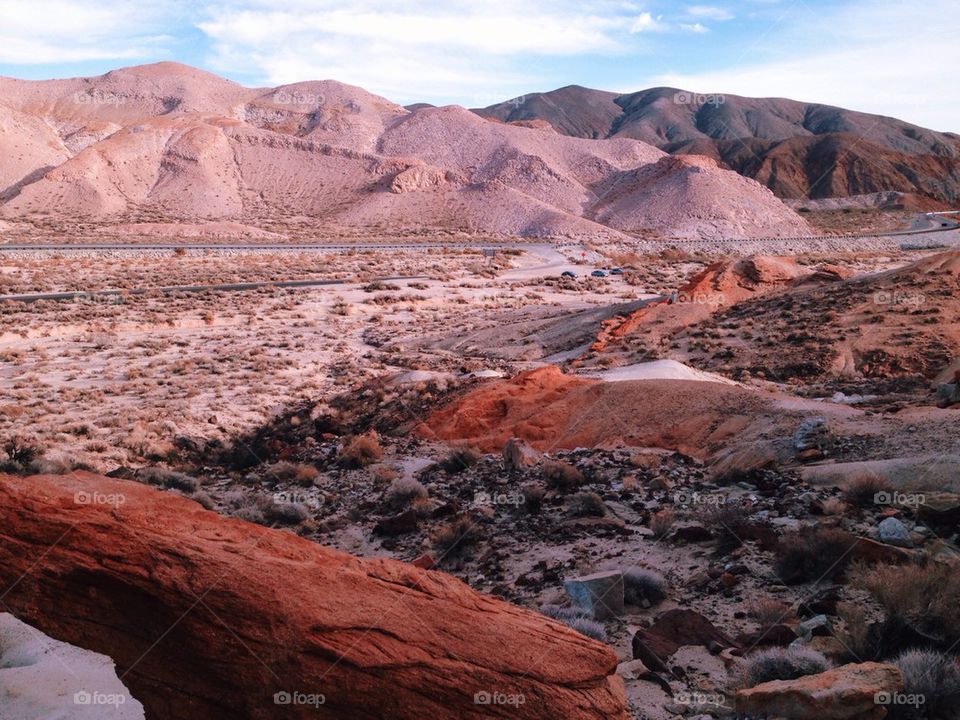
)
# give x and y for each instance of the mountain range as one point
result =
(798, 150)
(167, 142)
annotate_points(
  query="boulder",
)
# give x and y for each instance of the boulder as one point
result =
(871, 551)
(813, 434)
(823, 601)
(849, 691)
(405, 522)
(208, 617)
(778, 635)
(818, 625)
(672, 630)
(691, 533)
(600, 593)
(948, 394)
(893, 532)
(517, 454)
(940, 508)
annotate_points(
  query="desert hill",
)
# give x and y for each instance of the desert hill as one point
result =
(169, 142)
(895, 329)
(798, 150)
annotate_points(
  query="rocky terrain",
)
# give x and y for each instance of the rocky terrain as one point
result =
(798, 150)
(312, 405)
(674, 519)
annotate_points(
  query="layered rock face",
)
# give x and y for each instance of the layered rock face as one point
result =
(208, 618)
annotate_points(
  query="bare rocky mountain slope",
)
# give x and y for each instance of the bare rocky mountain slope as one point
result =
(797, 149)
(169, 142)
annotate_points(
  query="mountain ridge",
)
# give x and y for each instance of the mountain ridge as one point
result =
(169, 142)
(777, 141)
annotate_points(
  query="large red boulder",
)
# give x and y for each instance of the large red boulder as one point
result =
(208, 617)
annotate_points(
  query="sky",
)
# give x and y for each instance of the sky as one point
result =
(882, 56)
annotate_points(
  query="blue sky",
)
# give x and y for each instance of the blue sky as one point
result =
(888, 57)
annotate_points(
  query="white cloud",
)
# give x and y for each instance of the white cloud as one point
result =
(874, 56)
(58, 31)
(414, 50)
(645, 22)
(710, 12)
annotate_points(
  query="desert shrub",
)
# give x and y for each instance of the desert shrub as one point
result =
(924, 597)
(403, 491)
(770, 611)
(204, 499)
(934, 676)
(577, 619)
(661, 522)
(286, 513)
(643, 587)
(813, 555)
(251, 513)
(22, 450)
(340, 307)
(455, 538)
(588, 627)
(360, 451)
(533, 496)
(235, 499)
(724, 518)
(292, 472)
(726, 521)
(247, 506)
(857, 634)
(460, 459)
(834, 506)
(383, 475)
(861, 490)
(380, 286)
(169, 479)
(561, 476)
(56, 465)
(779, 664)
(559, 612)
(587, 504)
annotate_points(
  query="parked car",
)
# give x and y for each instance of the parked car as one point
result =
(568, 273)
(616, 271)
(598, 273)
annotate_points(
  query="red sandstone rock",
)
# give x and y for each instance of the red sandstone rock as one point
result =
(672, 630)
(849, 691)
(208, 617)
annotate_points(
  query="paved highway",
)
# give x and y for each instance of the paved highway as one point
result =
(923, 223)
(552, 258)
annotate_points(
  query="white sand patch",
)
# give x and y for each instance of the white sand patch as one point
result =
(658, 370)
(43, 678)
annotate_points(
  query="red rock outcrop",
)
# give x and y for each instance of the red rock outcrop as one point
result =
(209, 618)
(721, 284)
(548, 410)
(846, 692)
